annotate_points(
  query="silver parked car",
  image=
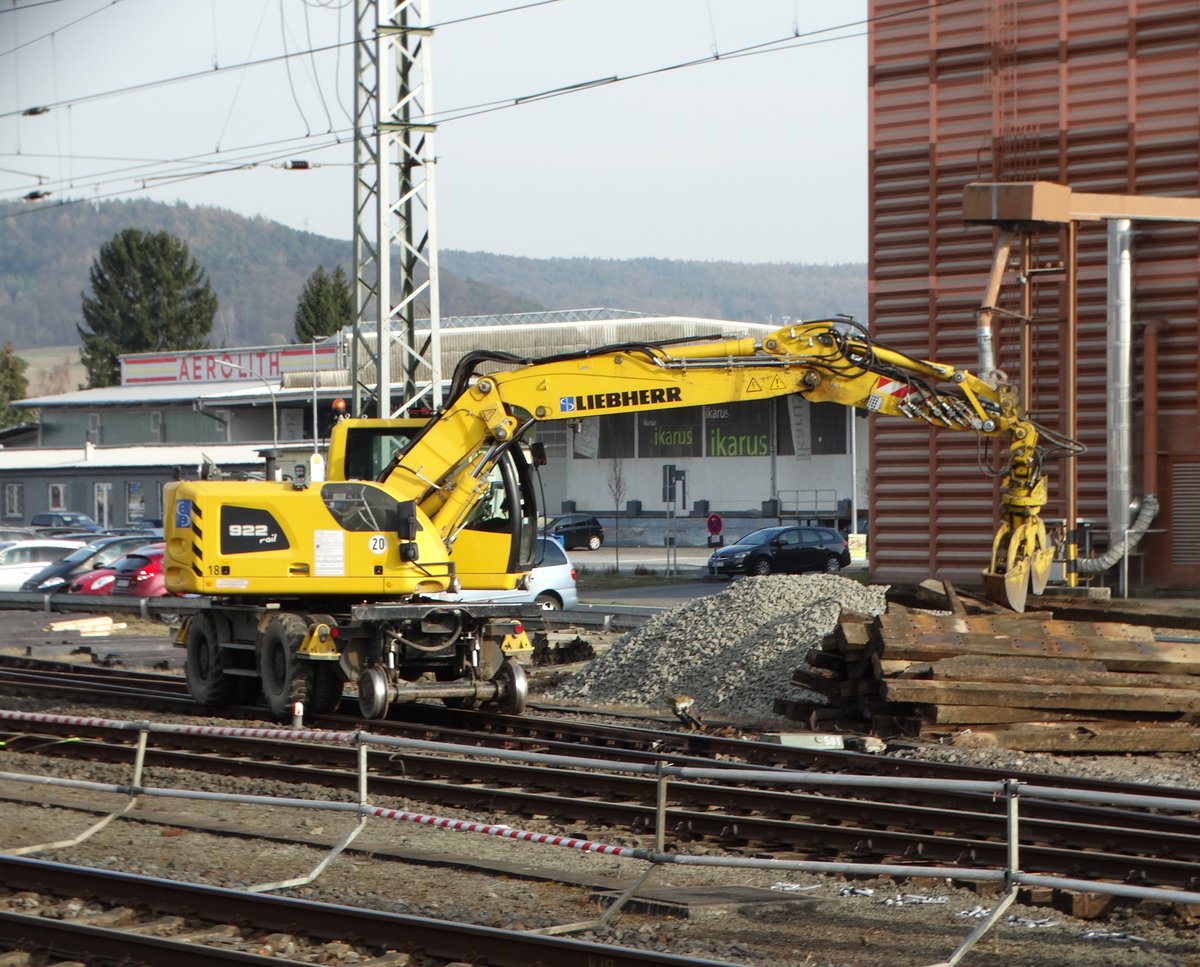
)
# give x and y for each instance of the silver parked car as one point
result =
(551, 582)
(21, 560)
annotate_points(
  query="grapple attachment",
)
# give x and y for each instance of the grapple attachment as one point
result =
(1021, 559)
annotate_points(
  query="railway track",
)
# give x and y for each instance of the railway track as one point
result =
(55, 913)
(568, 731)
(1081, 840)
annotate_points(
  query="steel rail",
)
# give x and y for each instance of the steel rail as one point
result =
(1083, 826)
(1105, 843)
(437, 938)
(600, 740)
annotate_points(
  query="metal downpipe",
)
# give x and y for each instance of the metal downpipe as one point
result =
(1120, 368)
(985, 335)
(1123, 537)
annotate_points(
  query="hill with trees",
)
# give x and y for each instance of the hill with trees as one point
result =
(258, 270)
(765, 292)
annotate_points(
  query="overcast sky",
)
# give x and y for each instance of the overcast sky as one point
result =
(750, 158)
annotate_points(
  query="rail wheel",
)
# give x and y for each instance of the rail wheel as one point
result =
(205, 668)
(286, 677)
(516, 687)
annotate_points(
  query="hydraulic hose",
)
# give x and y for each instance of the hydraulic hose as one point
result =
(1147, 513)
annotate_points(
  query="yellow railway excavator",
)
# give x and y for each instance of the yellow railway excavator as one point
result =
(348, 579)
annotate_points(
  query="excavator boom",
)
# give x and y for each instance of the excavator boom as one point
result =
(827, 361)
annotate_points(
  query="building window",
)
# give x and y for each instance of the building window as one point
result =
(671, 433)
(103, 504)
(57, 496)
(553, 436)
(828, 428)
(94, 432)
(156, 426)
(135, 501)
(14, 500)
(743, 430)
(607, 437)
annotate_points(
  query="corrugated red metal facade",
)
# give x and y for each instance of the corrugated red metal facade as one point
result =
(1100, 95)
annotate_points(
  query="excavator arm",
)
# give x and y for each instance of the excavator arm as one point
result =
(355, 577)
(446, 468)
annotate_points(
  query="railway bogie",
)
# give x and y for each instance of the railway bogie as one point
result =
(302, 658)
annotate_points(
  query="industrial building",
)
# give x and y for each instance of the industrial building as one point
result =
(183, 413)
(1101, 96)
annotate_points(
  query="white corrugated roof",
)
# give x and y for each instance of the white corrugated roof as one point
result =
(166, 455)
(234, 391)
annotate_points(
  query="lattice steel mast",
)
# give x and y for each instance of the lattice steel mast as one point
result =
(394, 165)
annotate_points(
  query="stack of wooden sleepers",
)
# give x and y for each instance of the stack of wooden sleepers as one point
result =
(1078, 675)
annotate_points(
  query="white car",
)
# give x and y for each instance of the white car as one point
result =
(21, 560)
(551, 582)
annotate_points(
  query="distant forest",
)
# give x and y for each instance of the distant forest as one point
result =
(258, 268)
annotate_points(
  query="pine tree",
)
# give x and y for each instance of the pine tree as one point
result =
(148, 295)
(325, 306)
(13, 386)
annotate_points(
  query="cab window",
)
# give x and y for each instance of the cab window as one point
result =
(361, 507)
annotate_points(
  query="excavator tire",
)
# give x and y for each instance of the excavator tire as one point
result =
(327, 689)
(286, 677)
(206, 678)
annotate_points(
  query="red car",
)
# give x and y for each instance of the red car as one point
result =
(98, 580)
(138, 574)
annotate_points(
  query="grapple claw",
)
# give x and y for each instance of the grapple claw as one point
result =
(1009, 589)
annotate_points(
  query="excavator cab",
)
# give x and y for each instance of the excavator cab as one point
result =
(501, 528)
(360, 449)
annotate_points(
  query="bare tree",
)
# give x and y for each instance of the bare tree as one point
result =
(616, 489)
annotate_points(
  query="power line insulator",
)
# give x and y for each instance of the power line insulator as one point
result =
(296, 165)
(32, 112)
(36, 195)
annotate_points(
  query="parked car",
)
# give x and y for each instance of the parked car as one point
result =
(140, 573)
(96, 581)
(64, 519)
(551, 582)
(575, 530)
(99, 553)
(782, 550)
(9, 534)
(21, 560)
(145, 533)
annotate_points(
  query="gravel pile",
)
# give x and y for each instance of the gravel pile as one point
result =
(733, 652)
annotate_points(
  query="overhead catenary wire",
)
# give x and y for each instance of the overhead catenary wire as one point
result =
(221, 165)
(56, 30)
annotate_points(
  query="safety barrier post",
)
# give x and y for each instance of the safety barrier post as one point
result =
(1012, 869)
(362, 770)
(660, 810)
(660, 839)
(139, 762)
(341, 845)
